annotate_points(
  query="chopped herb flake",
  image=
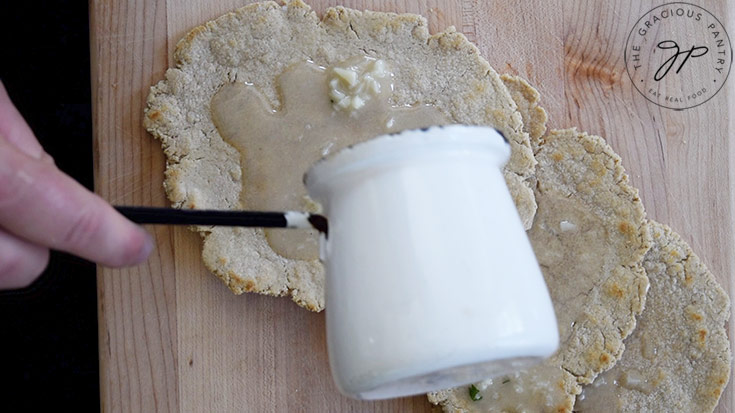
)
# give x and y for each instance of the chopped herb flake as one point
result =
(506, 381)
(475, 393)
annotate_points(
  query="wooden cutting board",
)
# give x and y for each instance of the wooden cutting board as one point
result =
(173, 337)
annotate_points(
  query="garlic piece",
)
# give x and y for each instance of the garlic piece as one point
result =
(357, 81)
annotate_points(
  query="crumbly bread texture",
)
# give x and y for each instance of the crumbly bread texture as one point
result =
(678, 358)
(590, 236)
(256, 43)
(527, 99)
(534, 118)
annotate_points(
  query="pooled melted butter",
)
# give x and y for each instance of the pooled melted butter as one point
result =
(606, 393)
(535, 389)
(562, 234)
(277, 146)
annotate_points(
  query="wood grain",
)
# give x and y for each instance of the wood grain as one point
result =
(173, 338)
(137, 306)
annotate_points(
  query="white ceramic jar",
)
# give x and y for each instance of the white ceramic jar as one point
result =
(431, 280)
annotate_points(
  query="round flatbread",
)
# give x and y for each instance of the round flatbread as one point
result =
(678, 358)
(254, 45)
(589, 236)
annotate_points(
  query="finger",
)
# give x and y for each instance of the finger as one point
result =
(20, 261)
(44, 206)
(15, 130)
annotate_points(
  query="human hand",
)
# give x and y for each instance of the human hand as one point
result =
(42, 208)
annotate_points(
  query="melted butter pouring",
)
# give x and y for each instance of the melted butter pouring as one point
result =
(278, 146)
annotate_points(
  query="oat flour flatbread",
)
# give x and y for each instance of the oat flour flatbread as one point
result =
(589, 235)
(254, 44)
(678, 358)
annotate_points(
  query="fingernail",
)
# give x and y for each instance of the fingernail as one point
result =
(148, 245)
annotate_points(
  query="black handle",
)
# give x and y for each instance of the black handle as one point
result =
(173, 216)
